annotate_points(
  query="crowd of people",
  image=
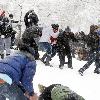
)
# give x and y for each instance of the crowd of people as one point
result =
(17, 70)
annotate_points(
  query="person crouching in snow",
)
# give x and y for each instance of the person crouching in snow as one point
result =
(57, 92)
(16, 75)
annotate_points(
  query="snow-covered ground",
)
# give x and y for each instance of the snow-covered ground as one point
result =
(87, 86)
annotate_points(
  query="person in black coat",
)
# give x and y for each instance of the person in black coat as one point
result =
(64, 47)
(30, 18)
(93, 40)
(29, 36)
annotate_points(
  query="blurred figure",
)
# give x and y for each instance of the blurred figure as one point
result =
(53, 38)
(13, 24)
(57, 92)
(30, 18)
(63, 47)
(93, 40)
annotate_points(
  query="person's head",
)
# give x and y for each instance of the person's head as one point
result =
(60, 30)
(67, 29)
(93, 28)
(11, 16)
(60, 93)
(41, 88)
(55, 27)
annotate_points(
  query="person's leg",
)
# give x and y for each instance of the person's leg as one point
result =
(54, 50)
(97, 63)
(48, 58)
(43, 58)
(4, 91)
(86, 66)
(2, 97)
(47, 48)
(15, 93)
(35, 46)
(62, 59)
(7, 45)
(69, 60)
(48, 55)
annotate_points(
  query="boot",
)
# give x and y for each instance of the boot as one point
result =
(61, 66)
(97, 70)
(48, 60)
(44, 57)
(69, 66)
(81, 70)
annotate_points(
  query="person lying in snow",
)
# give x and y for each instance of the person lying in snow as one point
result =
(57, 92)
(16, 75)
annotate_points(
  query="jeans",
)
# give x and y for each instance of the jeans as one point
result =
(11, 92)
(54, 50)
(45, 46)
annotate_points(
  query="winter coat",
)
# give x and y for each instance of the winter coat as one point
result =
(63, 42)
(30, 33)
(93, 41)
(6, 29)
(46, 33)
(20, 67)
(53, 37)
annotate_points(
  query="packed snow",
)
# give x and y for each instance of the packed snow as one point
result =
(87, 85)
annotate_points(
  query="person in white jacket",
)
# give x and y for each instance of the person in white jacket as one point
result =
(45, 45)
(53, 38)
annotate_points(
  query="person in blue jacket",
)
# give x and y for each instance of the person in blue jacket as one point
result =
(16, 74)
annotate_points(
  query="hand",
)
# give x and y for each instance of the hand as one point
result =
(34, 97)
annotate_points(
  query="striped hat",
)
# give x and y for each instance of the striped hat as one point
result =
(64, 93)
(60, 92)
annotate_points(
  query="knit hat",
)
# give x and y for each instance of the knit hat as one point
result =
(60, 93)
(67, 29)
(55, 26)
(64, 93)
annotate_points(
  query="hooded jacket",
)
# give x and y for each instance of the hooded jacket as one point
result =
(21, 68)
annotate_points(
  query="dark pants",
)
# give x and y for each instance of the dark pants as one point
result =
(54, 50)
(62, 59)
(93, 57)
(12, 92)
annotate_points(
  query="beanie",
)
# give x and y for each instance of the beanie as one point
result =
(64, 93)
(60, 92)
